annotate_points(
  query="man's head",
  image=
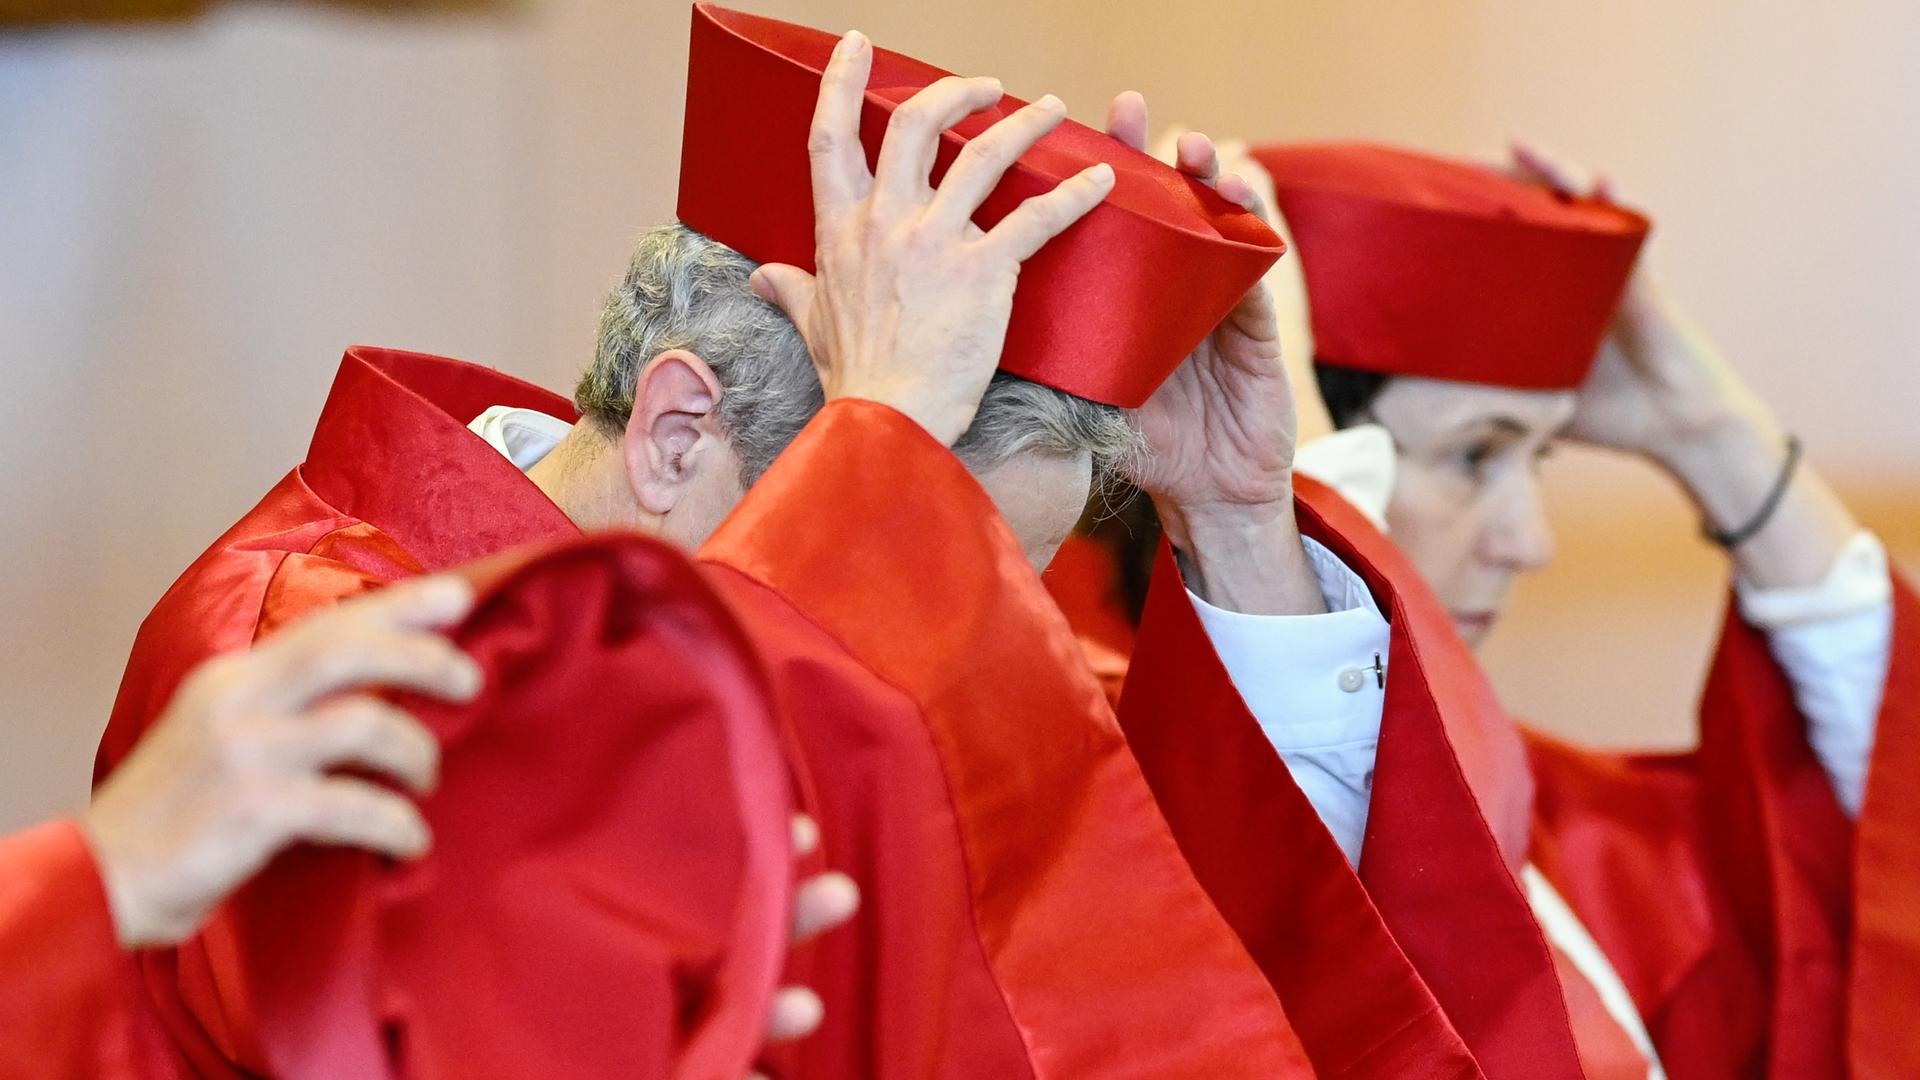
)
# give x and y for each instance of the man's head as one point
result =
(1466, 505)
(697, 384)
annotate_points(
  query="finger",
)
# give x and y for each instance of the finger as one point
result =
(352, 657)
(839, 164)
(1127, 119)
(1195, 156)
(366, 732)
(1538, 166)
(1234, 188)
(913, 135)
(806, 835)
(797, 1011)
(984, 160)
(427, 603)
(822, 903)
(1044, 217)
(788, 288)
(345, 812)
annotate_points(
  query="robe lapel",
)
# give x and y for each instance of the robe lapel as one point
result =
(1886, 938)
(1452, 804)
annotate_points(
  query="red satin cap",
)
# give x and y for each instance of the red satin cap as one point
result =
(1106, 310)
(610, 883)
(1417, 265)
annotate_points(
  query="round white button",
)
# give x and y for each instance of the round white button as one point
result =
(1352, 679)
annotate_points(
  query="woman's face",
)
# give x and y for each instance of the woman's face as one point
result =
(1466, 502)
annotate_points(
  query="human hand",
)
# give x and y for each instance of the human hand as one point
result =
(823, 902)
(238, 767)
(1221, 430)
(1658, 387)
(909, 302)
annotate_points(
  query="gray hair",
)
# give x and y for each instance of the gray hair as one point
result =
(683, 290)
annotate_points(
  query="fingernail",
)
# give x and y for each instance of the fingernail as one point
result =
(468, 678)
(449, 595)
(851, 44)
(806, 835)
(1101, 173)
(1052, 104)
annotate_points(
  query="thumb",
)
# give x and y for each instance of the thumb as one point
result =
(788, 288)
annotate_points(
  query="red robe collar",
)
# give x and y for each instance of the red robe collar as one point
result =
(392, 449)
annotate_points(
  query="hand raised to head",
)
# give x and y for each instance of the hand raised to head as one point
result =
(910, 299)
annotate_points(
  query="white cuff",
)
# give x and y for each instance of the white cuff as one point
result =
(1308, 679)
(1858, 581)
(1316, 684)
(1834, 642)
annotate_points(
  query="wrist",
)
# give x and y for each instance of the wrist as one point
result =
(1721, 463)
(945, 421)
(129, 926)
(1245, 557)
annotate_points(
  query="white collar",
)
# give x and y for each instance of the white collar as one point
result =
(525, 436)
(1357, 463)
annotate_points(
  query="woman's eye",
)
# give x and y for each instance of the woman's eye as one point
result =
(1477, 455)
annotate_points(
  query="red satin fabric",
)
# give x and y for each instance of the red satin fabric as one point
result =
(1387, 972)
(394, 485)
(1001, 842)
(1106, 310)
(1882, 1040)
(1028, 912)
(1751, 926)
(70, 1001)
(1416, 265)
(608, 891)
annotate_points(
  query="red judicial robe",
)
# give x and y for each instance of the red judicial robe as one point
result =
(1026, 910)
(70, 1001)
(1717, 882)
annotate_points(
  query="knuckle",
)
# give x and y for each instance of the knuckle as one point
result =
(822, 140)
(913, 117)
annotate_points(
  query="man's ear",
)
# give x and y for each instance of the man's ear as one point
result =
(673, 429)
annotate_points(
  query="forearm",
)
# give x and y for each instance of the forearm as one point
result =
(1729, 468)
(1246, 559)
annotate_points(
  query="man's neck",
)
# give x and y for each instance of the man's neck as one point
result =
(583, 478)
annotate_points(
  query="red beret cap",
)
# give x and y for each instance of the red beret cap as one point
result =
(1106, 310)
(609, 887)
(1417, 265)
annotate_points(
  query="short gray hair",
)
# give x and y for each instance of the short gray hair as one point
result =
(683, 290)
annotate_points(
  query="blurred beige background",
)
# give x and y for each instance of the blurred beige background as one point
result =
(196, 219)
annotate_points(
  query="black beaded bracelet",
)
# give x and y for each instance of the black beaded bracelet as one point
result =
(1735, 537)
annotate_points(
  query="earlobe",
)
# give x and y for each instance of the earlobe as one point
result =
(673, 413)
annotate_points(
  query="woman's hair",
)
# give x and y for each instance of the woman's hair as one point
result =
(1349, 393)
